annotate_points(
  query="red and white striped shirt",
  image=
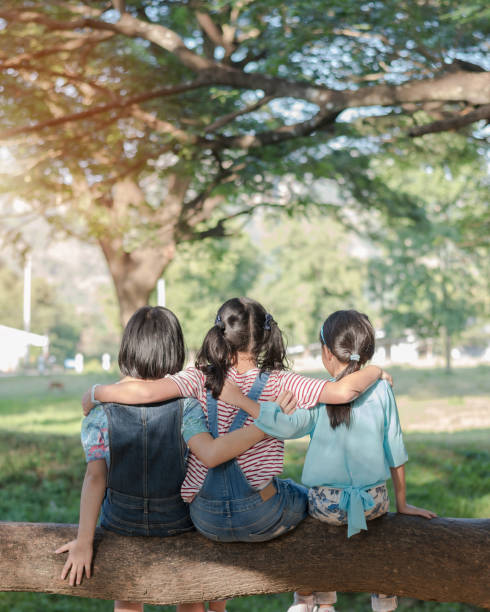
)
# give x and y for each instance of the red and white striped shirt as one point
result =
(265, 459)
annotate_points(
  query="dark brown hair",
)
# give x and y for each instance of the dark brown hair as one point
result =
(242, 324)
(152, 345)
(347, 333)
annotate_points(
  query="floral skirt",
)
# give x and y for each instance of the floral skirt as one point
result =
(323, 504)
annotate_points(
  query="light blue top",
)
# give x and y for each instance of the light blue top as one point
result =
(353, 458)
(193, 420)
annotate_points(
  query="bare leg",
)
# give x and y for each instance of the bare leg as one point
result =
(217, 606)
(325, 600)
(128, 606)
(303, 602)
(198, 606)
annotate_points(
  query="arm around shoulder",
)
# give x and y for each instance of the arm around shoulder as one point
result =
(214, 451)
(350, 387)
(133, 392)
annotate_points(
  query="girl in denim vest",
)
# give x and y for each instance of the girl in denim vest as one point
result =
(353, 447)
(242, 500)
(127, 449)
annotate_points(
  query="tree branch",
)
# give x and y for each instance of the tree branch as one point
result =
(452, 123)
(243, 111)
(127, 25)
(71, 45)
(281, 134)
(473, 88)
(102, 108)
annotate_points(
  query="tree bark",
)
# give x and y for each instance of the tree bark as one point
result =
(442, 559)
(135, 274)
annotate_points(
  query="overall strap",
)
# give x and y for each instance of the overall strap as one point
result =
(254, 394)
(212, 406)
(241, 417)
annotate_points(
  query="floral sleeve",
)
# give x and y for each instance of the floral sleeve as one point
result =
(95, 436)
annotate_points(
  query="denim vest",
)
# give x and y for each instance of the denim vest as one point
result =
(147, 467)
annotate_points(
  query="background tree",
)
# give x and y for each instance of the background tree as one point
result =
(50, 315)
(206, 273)
(144, 128)
(309, 269)
(434, 279)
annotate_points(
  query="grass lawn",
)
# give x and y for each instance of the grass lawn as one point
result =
(447, 425)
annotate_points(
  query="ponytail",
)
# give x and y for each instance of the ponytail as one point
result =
(214, 359)
(349, 336)
(270, 354)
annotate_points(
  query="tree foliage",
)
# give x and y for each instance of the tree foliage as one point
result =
(152, 125)
(435, 280)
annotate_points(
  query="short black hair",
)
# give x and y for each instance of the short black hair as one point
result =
(152, 345)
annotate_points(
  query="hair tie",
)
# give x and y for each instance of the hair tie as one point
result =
(218, 321)
(322, 336)
(354, 357)
(268, 321)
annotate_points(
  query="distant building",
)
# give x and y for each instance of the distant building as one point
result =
(14, 344)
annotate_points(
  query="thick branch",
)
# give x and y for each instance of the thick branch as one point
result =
(454, 87)
(452, 123)
(127, 25)
(461, 86)
(441, 559)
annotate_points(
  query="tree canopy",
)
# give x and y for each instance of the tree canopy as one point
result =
(148, 123)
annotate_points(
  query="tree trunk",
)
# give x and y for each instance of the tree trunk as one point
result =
(135, 274)
(447, 349)
(441, 559)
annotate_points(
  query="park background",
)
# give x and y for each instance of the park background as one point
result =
(278, 156)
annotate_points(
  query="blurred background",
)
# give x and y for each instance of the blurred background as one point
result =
(312, 157)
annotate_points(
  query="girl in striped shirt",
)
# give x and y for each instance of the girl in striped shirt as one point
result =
(242, 499)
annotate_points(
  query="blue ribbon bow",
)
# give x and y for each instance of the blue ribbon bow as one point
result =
(355, 501)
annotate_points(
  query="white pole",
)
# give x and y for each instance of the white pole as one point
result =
(27, 291)
(161, 292)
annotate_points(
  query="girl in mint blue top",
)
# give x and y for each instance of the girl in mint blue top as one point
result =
(353, 448)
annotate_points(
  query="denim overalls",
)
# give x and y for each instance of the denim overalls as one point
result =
(228, 509)
(147, 467)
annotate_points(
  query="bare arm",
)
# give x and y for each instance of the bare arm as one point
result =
(213, 451)
(398, 477)
(134, 392)
(350, 387)
(80, 551)
(232, 394)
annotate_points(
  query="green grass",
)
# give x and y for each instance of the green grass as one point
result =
(42, 466)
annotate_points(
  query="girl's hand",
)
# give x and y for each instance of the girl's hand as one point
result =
(79, 559)
(408, 509)
(387, 377)
(87, 404)
(287, 401)
(231, 394)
